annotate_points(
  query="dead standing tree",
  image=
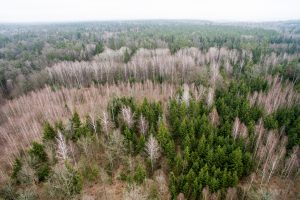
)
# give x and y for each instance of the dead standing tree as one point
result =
(153, 150)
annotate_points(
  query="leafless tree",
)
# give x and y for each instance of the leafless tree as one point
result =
(236, 128)
(143, 125)
(210, 97)
(214, 117)
(186, 94)
(180, 196)
(62, 149)
(292, 163)
(127, 116)
(231, 194)
(205, 193)
(153, 150)
(161, 181)
(239, 129)
(105, 122)
(93, 122)
(280, 94)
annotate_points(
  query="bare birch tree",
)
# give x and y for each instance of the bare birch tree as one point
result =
(143, 125)
(62, 149)
(153, 151)
(127, 116)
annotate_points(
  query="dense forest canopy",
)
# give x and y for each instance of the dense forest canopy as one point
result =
(162, 109)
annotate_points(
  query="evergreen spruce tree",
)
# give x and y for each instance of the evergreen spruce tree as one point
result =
(237, 161)
(76, 120)
(48, 132)
(99, 47)
(126, 56)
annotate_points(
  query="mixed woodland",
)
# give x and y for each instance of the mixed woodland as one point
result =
(163, 109)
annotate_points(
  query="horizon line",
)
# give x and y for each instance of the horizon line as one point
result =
(136, 20)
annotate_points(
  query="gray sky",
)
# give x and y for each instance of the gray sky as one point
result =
(85, 10)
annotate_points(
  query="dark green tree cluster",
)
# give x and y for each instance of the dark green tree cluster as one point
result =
(17, 167)
(206, 155)
(232, 102)
(289, 118)
(270, 122)
(290, 71)
(99, 47)
(38, 162)
(126, 56)
(49, 133)
(138, 176)
(152, 111)
(74, 130)
(166, 141)
(77, 128)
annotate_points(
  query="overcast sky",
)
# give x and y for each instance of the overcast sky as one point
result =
(86, 10)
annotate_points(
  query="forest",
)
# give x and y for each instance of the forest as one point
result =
(150, 109)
